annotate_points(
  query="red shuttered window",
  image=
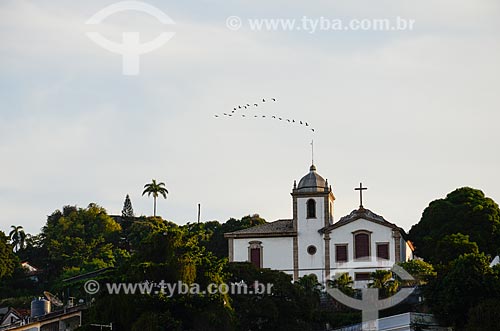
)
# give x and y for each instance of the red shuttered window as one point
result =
(362, 245)
(341, 253)
(383, 251)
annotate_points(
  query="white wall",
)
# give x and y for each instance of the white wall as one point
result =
(277, 253)
(307, 230)
(344, 235)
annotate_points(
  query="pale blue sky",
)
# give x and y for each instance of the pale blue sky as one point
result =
(411, 114)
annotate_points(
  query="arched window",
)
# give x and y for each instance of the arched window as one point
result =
(311, 208)
(362, 245)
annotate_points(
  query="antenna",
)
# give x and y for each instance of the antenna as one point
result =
(312, 152)
(199, 211)
(53, 299)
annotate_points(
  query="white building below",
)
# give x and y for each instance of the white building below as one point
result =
(312, 243)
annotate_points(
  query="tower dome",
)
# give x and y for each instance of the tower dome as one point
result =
(312, 182)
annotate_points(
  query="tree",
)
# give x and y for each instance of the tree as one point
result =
(466, 211)
(7, 258)
(80, 239)
(127, 210)
(310, 284)
(155, 189)
(344, 283)
(452, 246)
(463, 284)
(289, 307)
(17, 237)
(212, 232)
(421, 271)
(384, 281)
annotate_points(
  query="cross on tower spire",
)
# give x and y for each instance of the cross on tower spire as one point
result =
(361, 189)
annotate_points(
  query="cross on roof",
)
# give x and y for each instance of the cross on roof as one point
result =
(361, 189)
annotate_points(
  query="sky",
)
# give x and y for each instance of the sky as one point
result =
(413, 114)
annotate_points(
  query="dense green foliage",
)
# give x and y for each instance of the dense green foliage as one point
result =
(465, 283)
(464, 211)
(456, 234)
(80, 240)
(421, 271)
(7, 258)
(213, 232)
(452, 246)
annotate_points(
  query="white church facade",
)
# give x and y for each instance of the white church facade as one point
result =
(312, 243)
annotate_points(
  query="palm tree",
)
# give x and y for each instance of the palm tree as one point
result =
(17, 237)
(309, 283)
(344, 283)
(383, 280)
(155, 189)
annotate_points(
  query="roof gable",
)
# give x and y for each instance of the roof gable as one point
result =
(361, 213)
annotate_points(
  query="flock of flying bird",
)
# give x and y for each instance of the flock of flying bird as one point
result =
(247, 106)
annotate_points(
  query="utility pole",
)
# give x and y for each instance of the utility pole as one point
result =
(199, 211)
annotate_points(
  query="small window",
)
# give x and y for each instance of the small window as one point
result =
(341, 253)
(311, 208)
(383, 251)
(362, 276)
(311, 250)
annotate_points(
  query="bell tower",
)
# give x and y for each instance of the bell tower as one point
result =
(312, 210)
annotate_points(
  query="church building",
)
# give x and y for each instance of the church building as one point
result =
(312, 243)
